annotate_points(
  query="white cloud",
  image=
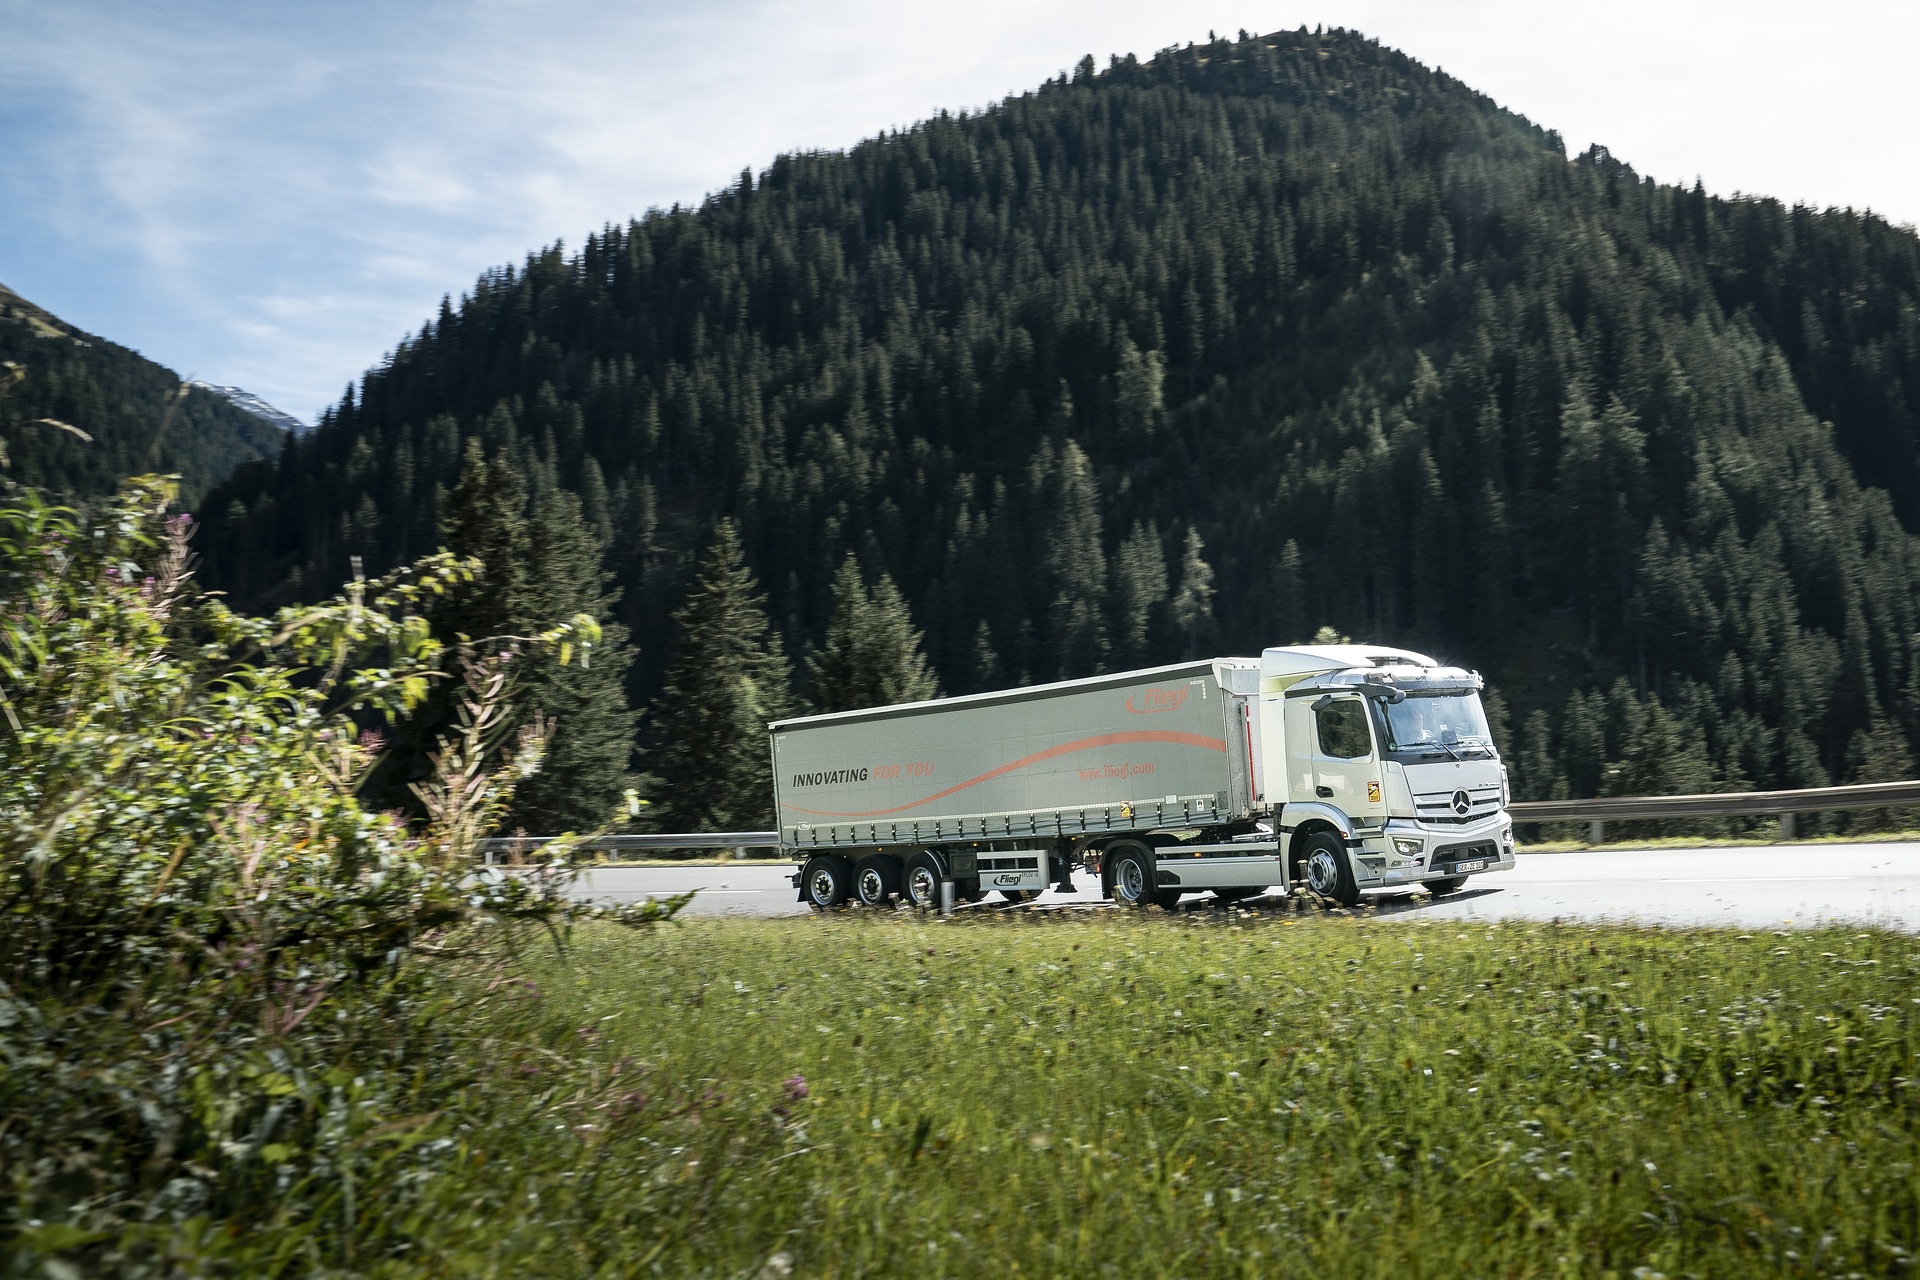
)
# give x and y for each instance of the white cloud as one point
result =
(273, 196)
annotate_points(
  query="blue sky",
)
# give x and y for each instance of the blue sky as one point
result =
(272, 194)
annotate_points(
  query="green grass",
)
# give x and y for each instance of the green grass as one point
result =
(1228, 1096)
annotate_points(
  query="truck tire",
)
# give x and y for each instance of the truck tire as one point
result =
(968, 890)
(1441, 888)
(1328, 873)
(920, 886)
(1237, 892)
(876, 880)
(1132, 873)
(827, 881)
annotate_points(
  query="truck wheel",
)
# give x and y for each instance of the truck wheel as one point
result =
(876, 880)
(1329, 874)
(921, 884)
(1130, 870)
(828, 881)
(1441, 888)
(968, 890)
(1237, 892)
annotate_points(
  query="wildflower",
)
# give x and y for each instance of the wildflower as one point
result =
(796, 1088)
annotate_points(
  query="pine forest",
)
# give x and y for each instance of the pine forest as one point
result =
(1252, 341)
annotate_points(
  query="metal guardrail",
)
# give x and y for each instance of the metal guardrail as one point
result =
(1598, 811)
(613, 846)
(1595, 812)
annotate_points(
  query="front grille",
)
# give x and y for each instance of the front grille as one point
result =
(1437, 806)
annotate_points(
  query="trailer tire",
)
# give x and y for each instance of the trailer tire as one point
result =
(876, 880)
(968, 890)
(1441, 888)
(1328, 873)
(827, 881)
(1020, 895)
(920, 886)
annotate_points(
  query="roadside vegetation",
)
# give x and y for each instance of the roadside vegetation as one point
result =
(224, 983)
(1218, 1094)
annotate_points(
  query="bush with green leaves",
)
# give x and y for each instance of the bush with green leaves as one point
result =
(212, 988)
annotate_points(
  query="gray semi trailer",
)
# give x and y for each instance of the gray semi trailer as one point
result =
(1343, 767)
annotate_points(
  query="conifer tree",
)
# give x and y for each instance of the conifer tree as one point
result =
(872, 657)
(1663, 758)
(728, 679)
(1076, 565)
(585, 771)
(1139, 592)
(986, 672)
(535, 573)
(1193, 603)
(1881, 753)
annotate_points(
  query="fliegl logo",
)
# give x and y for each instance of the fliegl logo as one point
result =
(1148, 701)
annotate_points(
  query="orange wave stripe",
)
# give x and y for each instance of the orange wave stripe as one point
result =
(1173, 736)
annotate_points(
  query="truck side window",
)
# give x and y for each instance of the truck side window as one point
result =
(1343, 730)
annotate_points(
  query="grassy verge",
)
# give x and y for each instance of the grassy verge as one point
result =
(1156, 1097)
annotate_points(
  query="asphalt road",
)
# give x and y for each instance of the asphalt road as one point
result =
(1758, 887)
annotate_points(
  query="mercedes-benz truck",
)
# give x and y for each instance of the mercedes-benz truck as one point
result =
(1342, 768)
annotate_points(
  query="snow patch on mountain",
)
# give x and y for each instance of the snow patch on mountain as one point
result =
(254, 405)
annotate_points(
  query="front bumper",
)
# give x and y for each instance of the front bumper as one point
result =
(1379, 862)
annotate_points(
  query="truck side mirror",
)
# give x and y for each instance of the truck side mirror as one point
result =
(1322, 702)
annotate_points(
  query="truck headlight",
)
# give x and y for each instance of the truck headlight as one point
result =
(1406, 848)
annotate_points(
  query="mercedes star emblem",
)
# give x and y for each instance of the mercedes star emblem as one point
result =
(1462, 803)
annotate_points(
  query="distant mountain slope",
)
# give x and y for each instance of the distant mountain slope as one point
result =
(122, 400)
(1409, 370)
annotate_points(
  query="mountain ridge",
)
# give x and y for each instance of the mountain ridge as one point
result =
(138, 414)
(1408, 368)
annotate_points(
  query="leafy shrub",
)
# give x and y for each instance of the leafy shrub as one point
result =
(212, 996)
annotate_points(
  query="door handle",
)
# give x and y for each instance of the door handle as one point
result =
(1325, 793)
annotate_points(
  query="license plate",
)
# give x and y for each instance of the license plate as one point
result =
(1478, 864)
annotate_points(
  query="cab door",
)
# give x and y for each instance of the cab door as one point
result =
(1346, 766)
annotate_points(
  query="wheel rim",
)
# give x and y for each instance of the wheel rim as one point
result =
(1323, 874)
(822, 886)
(873, 889)
(1130, 879)
(921, 886)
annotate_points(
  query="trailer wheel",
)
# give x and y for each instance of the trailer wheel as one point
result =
(1441, 888)
(827, 881)
(1323, 855)
(968, 890)
(876, 880)
(921, 884)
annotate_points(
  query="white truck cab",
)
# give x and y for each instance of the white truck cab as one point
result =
(1392, 751)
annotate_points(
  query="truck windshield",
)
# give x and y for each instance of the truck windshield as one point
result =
(1442, 720)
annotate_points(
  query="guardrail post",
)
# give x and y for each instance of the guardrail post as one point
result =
(1596, 832)
(1786, 826)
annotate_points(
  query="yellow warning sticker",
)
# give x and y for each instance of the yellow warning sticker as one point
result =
(1373, 793)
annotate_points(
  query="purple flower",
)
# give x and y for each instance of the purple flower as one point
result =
(796, 1088)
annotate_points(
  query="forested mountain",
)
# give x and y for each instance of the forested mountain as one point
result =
(1294, 311)
(140, 416)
